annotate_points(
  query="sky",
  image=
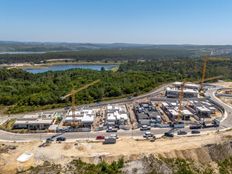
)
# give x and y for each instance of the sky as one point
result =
(117, 21)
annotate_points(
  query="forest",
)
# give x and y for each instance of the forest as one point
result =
(22, 91)
(115, 54)
(190, 68)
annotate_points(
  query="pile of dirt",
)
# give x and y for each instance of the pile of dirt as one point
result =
(6, 148)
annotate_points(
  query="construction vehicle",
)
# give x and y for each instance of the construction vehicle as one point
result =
(72, 95)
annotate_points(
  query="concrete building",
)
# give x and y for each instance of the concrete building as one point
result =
(174, 92)
(171, 109)
(85, 117)
(34, 122)
(146, 114)
(202, 108)
(116, 115)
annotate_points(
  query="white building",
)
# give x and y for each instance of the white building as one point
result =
(174, 92)
(116, 114)
(35, 122)
(84, 116)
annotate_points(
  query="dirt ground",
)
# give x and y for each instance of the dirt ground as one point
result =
(226, 100)
(224, 84)
(129, 148)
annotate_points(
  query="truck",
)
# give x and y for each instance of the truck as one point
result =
(109, 140)
(215, 123)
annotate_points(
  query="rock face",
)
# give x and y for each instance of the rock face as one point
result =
(210, 159)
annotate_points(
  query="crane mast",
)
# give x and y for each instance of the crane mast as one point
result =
(73, 93)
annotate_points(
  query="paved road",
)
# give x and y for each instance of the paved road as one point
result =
(226, 123)
(227, 120)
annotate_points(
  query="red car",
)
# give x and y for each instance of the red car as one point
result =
(100, 137)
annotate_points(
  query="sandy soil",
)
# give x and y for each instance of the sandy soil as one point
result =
(226, 100)
(224, 84)
(90, 152)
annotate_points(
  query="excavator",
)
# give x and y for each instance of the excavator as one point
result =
(72, 95)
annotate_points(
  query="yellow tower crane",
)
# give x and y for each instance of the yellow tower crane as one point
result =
(181, 94)
(203, 72)
(74, 92)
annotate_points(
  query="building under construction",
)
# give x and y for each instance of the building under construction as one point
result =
(83, 117)
(173, 92)
(146, 114)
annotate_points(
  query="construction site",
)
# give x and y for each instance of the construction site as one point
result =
(176, 116)
(178, 105)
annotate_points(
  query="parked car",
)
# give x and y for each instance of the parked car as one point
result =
(110, 129)
(109, 140)
(197, 126)
(148, 134)
(178, 125)
(195, 132)
(168, 134)
(145, 128)
(114, 136)
(60, 139)
(181, 132)
(100, 137)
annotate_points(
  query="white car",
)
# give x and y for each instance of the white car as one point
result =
(148, 134)
(114, 136)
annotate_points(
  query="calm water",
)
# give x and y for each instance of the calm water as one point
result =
(66, 67)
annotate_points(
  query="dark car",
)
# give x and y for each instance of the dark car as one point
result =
(168, 134)
(60, 139)
(109, 140)
(100, 137)
(197, 126)
(180, 132)
(49, 140)
(195, 132)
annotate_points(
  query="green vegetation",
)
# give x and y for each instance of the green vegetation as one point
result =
(26, 92)
(225, 166)
(186, 68)
(113, 54)
(21, 91)
(77, 167)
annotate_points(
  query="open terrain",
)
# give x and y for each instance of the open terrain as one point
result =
(189, 148)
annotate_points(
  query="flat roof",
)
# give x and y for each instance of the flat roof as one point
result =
(203, 109)
(187, 84)
(38, 121)
(168, 89)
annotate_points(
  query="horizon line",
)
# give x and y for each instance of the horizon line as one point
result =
(108, 43)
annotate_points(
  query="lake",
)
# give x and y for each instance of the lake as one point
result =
(71, 66)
